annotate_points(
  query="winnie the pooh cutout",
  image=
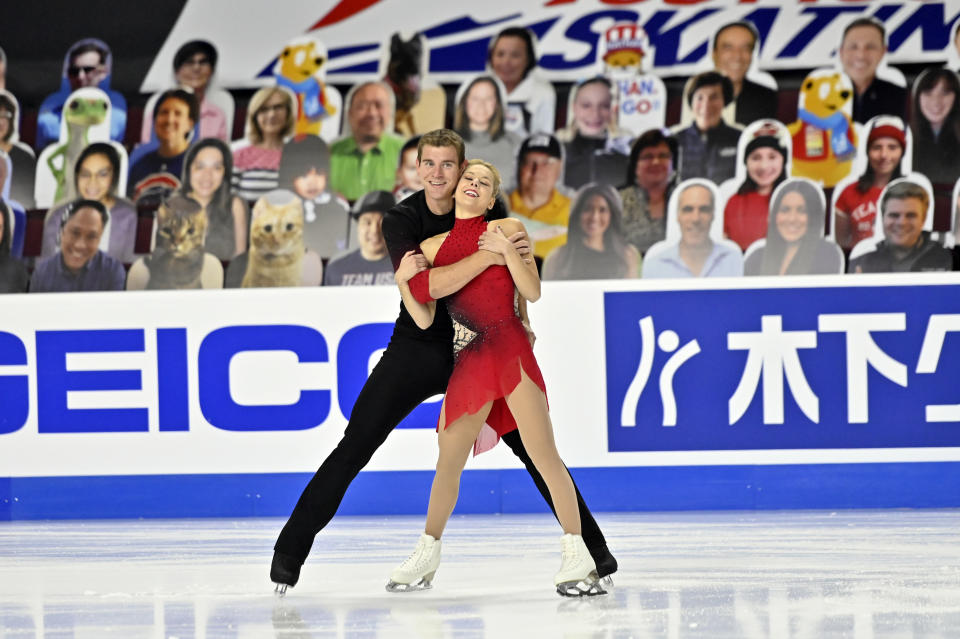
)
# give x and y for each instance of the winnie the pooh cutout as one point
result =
(421, 104)
(860, 164)
(302, 68)
(824, 135)
(640, 98)
(86, 119)
(756, 84)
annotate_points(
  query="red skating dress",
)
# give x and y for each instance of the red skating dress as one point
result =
(490, 343)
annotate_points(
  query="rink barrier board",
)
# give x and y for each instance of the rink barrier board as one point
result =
(124, 404)
(773, 487)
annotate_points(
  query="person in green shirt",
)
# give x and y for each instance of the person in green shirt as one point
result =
(365, 159)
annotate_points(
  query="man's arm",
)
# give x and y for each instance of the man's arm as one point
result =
(447, 280)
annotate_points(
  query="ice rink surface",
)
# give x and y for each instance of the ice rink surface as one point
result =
(744, 575)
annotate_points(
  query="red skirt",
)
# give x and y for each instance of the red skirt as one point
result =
(486, 370)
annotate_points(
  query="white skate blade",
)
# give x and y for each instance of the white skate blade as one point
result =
(426, 583)
(280, 590)
(588, 587)
(606, 582)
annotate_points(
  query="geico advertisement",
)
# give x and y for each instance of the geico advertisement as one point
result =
(223, 381)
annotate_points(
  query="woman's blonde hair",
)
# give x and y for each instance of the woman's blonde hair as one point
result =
(493, 171)
(254, 132)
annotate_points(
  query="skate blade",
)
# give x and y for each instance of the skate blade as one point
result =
(425, 583)
(606, 582)
(589, 587)
(280, 590)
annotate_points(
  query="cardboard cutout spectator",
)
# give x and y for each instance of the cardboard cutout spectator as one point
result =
(878, 89)
(480, 120)
(79, 265)
(595, 248)
(178, 259)
(18, 215)
(369, 264)
(206, 178)
(763, 153)
(13, 274)
(794, 243)
(650, 180)
(302, 69)
(88, 63)
(194, 66)
(277, 255)
(256, 159)
(98, 176)
(824, 137)
(904, 245)
(365, 158)
(304, 169)
(531, 100)
(408, 178)
(22, 159)
(936, 125)
(537, 200)
(596, 149)
(86, 119)
(159, 171)
(421, 103)
(735, 49)
(885, 157)
(708, 147)
(640, 98)
(694, 246)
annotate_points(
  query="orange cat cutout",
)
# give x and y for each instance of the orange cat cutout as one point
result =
(824, 135)
(277, 255)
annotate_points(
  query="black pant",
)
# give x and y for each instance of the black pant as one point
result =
(409, 372)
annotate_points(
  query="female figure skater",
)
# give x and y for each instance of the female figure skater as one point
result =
(495, 380)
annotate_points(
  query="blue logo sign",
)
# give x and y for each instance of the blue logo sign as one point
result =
(856, 367)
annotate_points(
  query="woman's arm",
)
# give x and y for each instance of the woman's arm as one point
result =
(634, 262)
(411, 264)
(495, 240)
(239, 225)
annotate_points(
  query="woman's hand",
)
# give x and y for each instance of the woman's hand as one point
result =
(411, 264)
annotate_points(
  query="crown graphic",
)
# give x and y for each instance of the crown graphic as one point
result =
(625, 36)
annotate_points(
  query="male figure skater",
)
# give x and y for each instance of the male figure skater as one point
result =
(415, 366)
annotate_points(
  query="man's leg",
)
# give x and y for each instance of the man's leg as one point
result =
(408, 373)
(592, 537)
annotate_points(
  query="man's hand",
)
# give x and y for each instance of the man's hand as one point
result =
(496, 242)
(522, 244)
(411, 264)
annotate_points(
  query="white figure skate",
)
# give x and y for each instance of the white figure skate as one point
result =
(417, 571)
(578, 572)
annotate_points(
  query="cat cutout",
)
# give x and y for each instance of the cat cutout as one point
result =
(277, 255)
(178, 260)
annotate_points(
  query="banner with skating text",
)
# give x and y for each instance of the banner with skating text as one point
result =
(794, 34)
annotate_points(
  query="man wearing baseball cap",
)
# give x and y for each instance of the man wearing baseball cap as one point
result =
(537, 198)
(368, 265)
